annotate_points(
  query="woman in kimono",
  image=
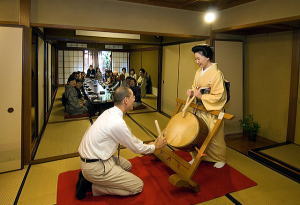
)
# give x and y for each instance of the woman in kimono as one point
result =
(209, 90)
(142, 82)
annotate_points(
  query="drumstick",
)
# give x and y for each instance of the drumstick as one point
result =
(187, 105)
(157, 127)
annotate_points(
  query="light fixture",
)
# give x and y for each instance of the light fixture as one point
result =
(210, 17)
(107, 34)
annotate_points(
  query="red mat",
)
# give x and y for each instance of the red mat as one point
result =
(157, 189)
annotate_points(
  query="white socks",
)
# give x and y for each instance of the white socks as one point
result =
(219, 164)
(216, 165)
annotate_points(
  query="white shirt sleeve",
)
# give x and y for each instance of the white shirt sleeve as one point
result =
(122, 135)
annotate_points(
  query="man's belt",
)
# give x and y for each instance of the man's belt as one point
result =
(90, 160)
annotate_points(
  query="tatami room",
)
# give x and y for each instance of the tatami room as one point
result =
(256, 44)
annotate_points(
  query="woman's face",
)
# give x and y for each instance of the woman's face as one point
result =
(72, 83)
(141, 73)
(201, 60)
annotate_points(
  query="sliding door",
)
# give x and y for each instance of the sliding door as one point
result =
(11, 98)
(169, 78)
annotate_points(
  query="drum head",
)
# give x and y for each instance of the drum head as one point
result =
(181, 131)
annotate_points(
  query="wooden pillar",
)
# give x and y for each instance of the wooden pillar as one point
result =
(159, 80)
(291, 128)
(24, 20)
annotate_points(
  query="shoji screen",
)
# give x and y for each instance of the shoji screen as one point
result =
(229, 56)
(69, 61)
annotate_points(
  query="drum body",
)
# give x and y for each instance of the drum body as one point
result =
(187, 132)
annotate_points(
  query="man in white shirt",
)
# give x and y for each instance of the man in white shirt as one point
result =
(107, 173)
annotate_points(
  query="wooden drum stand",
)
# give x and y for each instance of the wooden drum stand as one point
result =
(184, 170)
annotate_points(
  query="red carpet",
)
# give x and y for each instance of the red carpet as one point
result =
(157, 189)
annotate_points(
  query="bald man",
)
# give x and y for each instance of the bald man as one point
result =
(102, 171)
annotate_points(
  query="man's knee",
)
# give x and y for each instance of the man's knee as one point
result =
(138, 188)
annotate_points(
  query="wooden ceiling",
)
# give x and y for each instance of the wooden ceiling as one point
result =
(194, 5)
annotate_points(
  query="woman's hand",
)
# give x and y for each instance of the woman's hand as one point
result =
(190, 92)
(197, 93)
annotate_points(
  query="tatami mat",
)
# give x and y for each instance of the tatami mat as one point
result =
(137, 131)
(218, 201)
(10, 184)
(57, 112)
(273, 188)
(289, 154)
(150, 100)
(147, 120)
(146, 109)
(61, 138)
(41, 184)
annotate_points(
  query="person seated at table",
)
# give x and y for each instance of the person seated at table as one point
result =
(137, 93)
(74, 105)
(115, 82)
(83, 75)
(79, 89)
(132, 73)
(91, 72)
(122, 80)
(128, 81)
(98, 74)
(142, 82)
(107, 75)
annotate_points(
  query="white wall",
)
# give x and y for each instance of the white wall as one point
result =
(257, 11)
(267, 82)
(229, 56)
(112, 14)
(9, 10)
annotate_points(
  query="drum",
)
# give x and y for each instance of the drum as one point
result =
(186, 132)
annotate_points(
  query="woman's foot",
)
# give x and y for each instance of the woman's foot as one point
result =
(219, 164)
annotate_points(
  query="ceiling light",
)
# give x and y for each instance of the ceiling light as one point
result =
(210, 16)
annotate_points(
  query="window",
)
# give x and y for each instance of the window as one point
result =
(104, 58)
(68, 62)
(119, 61)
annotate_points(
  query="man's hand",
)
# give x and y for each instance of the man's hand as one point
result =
(160, 142)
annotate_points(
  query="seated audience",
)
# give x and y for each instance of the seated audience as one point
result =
(74, 105)
(98, 74)
(127, 81)
(132, 73)
(79, 89)
(122, 80)
(91, 72)
(142, 82)
(137, 93)
(124, 72)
